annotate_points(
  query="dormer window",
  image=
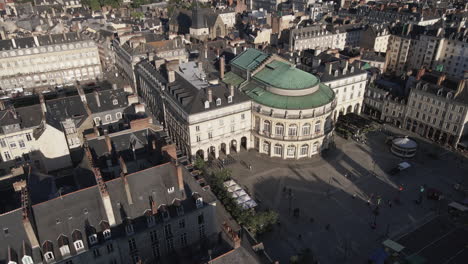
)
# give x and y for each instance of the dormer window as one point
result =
(207, 104)
(230, 99)
(165, 215)
(129, 229)
(336, 73)
(92, 239)
(78, 245)
(199, 202)
(107, 234)
(65, 250)
(49, 256)
(218, 102)
(27, 260)
(150, 220)
(170, 190)
(115, 102)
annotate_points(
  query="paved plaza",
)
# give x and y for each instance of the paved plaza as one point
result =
(334, 189)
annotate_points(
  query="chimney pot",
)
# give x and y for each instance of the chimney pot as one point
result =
(98, 101)
(221, 67)
(210, 95)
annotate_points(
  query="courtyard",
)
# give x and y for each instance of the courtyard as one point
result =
(330, 195)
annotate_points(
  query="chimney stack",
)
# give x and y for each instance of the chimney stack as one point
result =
(108, 144)
(171, 76)
(123, 173)
(81, 93)
(421, 73)
(221, 67)
(154, 206)
(231, 90)
(27, 217)
(102, 188)
(328, 68)
(210, 95)
(43, 105)
(441, 79)
(180, 177)
(96, 96)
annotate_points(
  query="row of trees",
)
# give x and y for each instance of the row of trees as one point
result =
(255, 222)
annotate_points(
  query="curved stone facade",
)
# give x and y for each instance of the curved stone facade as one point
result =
(291, 134)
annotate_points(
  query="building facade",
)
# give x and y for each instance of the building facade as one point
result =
(48, 60)
(291, 109)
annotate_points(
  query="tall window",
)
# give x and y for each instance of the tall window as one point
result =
(318, 126)
(28, 136)
(304, 149)
(168, 230)
(183, 239)
(278, 150)
(7, 155)
(291, 150)
(154, 236)
(315, 147)
(201, 230)
(266, 126)
(306, 129)
(292, 131)
(156, 252)
(170, 244)
(2, 143)
(132, 244)
(279, 129)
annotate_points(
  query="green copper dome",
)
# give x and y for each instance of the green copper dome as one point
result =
(285, 76)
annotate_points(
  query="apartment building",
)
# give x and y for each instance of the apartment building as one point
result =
(143, 215)
(48, 60)
(205, 118)
(315, 37)
(437, 109)
(375, 37)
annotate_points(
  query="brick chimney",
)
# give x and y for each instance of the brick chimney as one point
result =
(221, 67)
(441, 79)
(421, 73)
(180, 177)
(106, 201)
(328, 68)
(154, 206)
(123, 175)
(108, 143)
(170, 76)
(461, 86)
(27, 218)
(231, 90)
(81, 93)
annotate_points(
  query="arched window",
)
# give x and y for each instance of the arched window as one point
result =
(315, 147)
(306, 129)
(266, 147)
(266, 126)
(292, 131)
(279, 129)
(291, 150)
(304, 150)
(278, 150)
(318, 125)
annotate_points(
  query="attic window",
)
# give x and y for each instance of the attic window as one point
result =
(93, 239)
(129, 229)
(218, 102)
(107, 234)
(230, 99)
(115, 102)
(199, 202)
(49, 256)
(207, 104)
(170, 190)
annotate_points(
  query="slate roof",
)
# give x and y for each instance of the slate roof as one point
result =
(67, 107)
(106, 99)
(28, 42)
(16, 237)
(26, 117)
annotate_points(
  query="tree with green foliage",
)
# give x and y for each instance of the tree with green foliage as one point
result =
(199, 163)
(138, 3)
(137, 15)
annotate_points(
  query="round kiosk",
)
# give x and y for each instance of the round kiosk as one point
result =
(404, 147)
